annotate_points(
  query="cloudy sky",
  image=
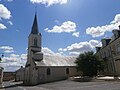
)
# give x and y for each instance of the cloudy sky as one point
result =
(68, 27)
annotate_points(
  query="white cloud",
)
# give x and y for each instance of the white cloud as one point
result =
(13, 62)
(17, 30)
(24, 56)
(9, 0)
(7, 49)
(116, 19)
(47, 51)
(10, 22)
(76, 34)
(49, 2)
(101, 30)
(4, 12)
(2, 26)
(57, 22)
(74, 53)
(95, 43)
(65, 27)
(81, 47)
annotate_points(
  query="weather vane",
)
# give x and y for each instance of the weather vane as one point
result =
(36, 9)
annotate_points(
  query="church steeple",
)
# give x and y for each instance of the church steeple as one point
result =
(35, 26)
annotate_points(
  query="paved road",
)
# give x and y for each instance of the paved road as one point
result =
(66, 85)
(12, 86)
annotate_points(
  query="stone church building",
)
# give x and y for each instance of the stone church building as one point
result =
(42, 68)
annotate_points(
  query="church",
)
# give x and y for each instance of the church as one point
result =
(42, 68)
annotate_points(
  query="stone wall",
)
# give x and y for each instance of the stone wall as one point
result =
(55, 73)
(1, 75)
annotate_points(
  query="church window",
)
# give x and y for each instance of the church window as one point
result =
(67, 70)
(35, 42)
(48, 71)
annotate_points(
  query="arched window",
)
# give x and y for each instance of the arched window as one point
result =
(67, 70)
(48, 71)
(35, 42)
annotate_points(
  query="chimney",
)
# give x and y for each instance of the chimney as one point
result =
(116, 32)
(119, 27)
(97, 49)
(105, 41)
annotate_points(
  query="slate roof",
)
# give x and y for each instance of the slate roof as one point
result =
(35, 26)
(20, 69)
(50, 60)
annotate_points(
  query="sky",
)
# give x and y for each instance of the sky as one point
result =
(68, 27)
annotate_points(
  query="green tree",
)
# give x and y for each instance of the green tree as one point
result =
(89, 64)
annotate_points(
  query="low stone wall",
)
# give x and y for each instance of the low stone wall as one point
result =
(1, 75)
(7, 76)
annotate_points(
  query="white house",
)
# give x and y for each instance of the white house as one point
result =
(42, 68)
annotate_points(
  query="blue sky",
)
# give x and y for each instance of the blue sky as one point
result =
(68, 27)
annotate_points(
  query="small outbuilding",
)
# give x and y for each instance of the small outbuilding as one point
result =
(19, 74)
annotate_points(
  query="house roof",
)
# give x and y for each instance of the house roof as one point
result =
(54, 60)
(20, 69)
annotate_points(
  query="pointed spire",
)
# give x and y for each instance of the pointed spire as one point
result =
(35, 26)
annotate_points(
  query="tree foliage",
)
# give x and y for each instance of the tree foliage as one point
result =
(89, 64)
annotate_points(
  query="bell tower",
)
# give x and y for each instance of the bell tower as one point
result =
(34, 43)
(34, 52)
(35, 36)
